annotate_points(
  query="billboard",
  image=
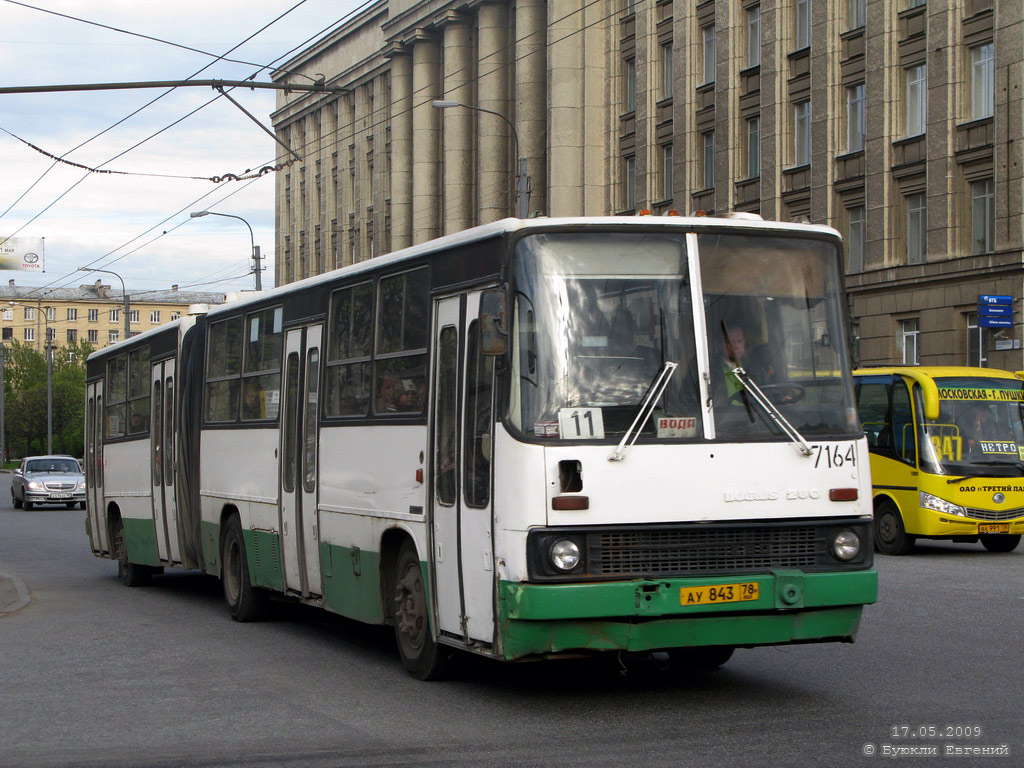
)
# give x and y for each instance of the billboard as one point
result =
(25, 253)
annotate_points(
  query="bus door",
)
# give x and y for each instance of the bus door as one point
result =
(461, 439)
(94, 468)
(161, 460)
(300, 523)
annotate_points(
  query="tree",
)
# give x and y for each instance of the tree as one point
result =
(25, 392)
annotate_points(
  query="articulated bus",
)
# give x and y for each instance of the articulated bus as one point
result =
(947, 454)
(533, 438)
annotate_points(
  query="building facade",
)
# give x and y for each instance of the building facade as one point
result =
(899, 123)
(91, 313)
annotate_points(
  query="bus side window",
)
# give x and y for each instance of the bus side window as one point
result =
(873, 407)
(903, 432)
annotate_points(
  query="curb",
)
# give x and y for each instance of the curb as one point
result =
(14, 595)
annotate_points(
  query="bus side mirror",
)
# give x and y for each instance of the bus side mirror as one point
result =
(493, 318)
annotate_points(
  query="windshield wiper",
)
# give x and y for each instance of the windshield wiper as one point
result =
(768, 406)
(646, 407)
(1013, 464)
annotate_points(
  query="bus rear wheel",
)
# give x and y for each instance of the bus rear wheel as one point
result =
(891, 537)
(1000, 542)
(128, 573)
(422, 656)
(245, 602)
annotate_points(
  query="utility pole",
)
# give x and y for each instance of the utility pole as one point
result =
(256, 268)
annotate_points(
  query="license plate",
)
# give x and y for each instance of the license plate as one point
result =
(60, 495)
(713, 594)
(993, 528)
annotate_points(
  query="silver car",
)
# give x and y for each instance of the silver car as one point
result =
(48, 480)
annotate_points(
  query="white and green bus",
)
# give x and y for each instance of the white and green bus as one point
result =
(530, 439)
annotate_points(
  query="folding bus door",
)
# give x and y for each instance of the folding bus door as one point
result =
(300, 522)
(161, 460)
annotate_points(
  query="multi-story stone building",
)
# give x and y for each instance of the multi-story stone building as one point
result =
(899, 123)
(92, 313)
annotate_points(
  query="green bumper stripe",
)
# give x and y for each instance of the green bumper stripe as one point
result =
(646, 615)
(140, 541)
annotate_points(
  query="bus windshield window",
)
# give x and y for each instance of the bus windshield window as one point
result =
(772, 307)
(980, 429)
(596, 318)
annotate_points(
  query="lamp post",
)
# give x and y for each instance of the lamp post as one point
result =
(522, 186)
(49, 387)
(256, 268)
(124, 294)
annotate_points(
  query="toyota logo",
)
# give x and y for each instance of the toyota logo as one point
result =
(31, 258)
(998, 498)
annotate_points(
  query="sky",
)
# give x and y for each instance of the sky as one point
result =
(137, 223)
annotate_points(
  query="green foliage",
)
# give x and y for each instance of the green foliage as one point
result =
(25, 376)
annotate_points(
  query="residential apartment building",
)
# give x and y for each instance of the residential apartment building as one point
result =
(899, 123)
(92, 313)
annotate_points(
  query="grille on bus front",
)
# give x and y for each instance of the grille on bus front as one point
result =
(995, 514)
(691, 549)
(676, 552)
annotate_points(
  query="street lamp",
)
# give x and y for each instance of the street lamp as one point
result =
(256, 268)
(522, 188)
(124, 294)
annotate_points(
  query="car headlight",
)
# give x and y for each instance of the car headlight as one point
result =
(564, 554)
(80, 486)
(941, 505)
(35, 485)
(845, 545)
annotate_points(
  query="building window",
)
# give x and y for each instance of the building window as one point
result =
(115, 315)
(917, 220)
(94, 336)
(983, 216)
(630, 85)
(708, 155)
(909, 333)
(51, 335)
(94, 315)
(112, 336)
(855, 9)
(915, 3)
(708, 36)
(917, 99)
(975, 341)
(72, 313)
(982, 81)
(802, 133)
(8, 314)
(667, 182)
(133, 316)
(8, 333)
(30, 313)
(753, 147)
(175, 315)
(667, 71)
(30, 334)
(802, 26)
(754, 36)
(855, 118)
(72, 336)
(629, 184)
(51, 314)
(154, 316)
(855, 238)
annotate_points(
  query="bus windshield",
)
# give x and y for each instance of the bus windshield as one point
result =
(597, 317)
(980, 429)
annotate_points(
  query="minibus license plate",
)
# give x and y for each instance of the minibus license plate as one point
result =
(719, 593)
(994, 528)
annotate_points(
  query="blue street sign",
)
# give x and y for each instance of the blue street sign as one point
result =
(994, 299)
(995, 322)
(995, 310)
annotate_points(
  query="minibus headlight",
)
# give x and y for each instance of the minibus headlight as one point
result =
(564, 554)
(941, 505)
(845, 545)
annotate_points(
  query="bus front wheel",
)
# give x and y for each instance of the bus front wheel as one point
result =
(422, 656)
(999, 542)
(245, 602)
(891, 537)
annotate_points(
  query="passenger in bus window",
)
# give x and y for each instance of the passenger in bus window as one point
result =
(252, 406)
(387, 398)
(976, 426)
(407, 396)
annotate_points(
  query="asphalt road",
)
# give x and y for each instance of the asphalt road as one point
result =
(96, 674)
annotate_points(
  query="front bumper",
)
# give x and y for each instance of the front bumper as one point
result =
(646, 615)
(54, 497)
(932, 524)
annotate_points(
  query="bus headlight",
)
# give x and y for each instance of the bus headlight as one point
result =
(941, 505)
(845, 545)
(564, 554)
